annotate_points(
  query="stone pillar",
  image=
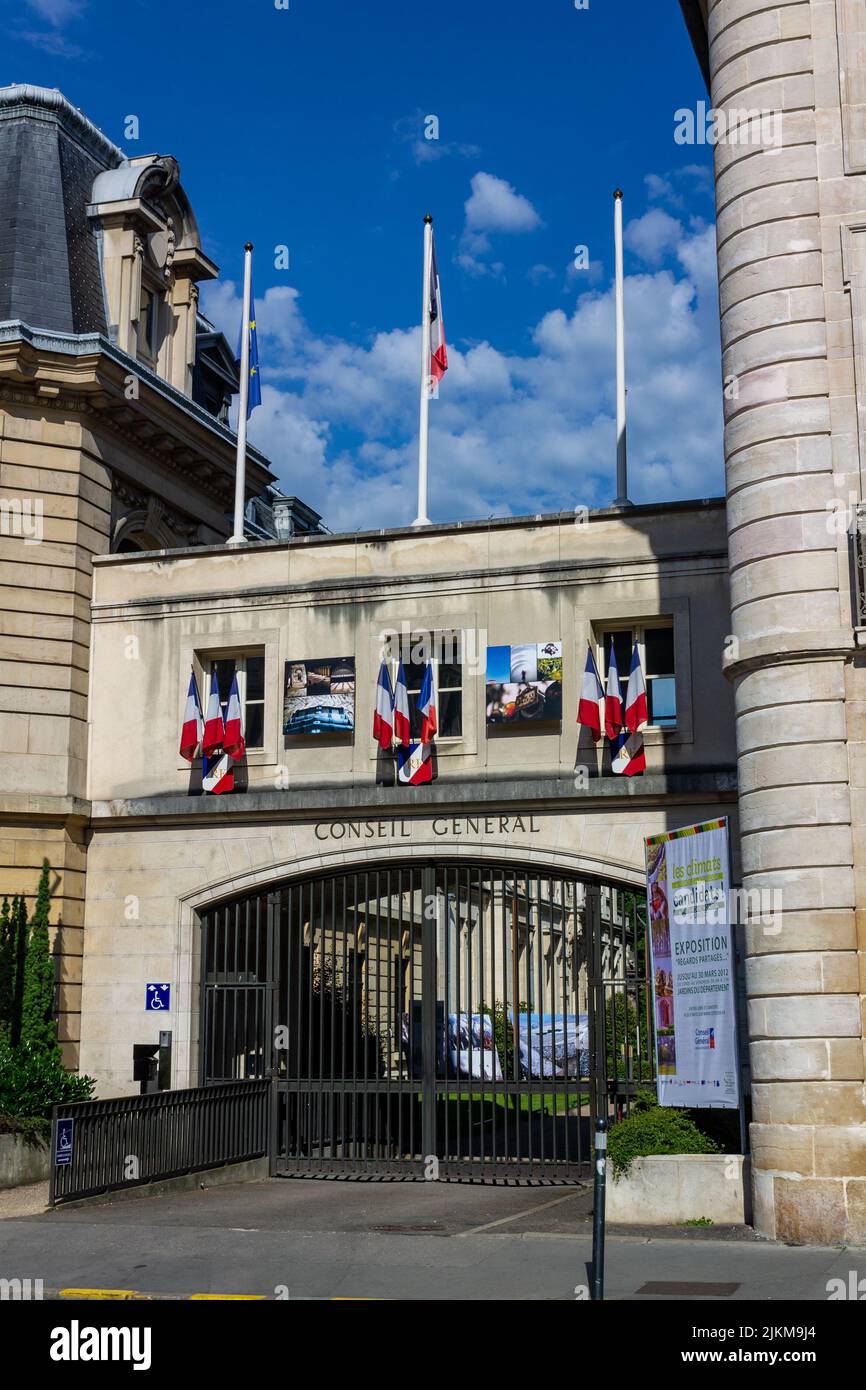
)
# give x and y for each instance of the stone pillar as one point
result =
(791, 449)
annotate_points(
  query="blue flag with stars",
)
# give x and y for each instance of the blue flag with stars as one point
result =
(255, 393)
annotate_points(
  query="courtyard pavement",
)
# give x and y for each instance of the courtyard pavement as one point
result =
(319, 1239)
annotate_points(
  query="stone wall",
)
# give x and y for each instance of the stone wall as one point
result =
(786, 212)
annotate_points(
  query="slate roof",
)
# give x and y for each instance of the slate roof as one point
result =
(49, 156)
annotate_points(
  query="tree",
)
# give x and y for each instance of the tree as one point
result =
(17, 954)
(38, 1021)
(7, 969)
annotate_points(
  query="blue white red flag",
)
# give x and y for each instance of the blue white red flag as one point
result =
(217, 774)
(193, 723)
(415, 764)
(613, 698)
(438, 349)
(383, 717)
(233, 738)
(628, 756)
(636, 717)
(214, 732)
(402, 732)
(426, 705)
(591, 696)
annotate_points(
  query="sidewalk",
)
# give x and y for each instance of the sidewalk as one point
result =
(314, 1239)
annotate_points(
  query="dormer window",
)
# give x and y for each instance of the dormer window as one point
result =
(150, 314)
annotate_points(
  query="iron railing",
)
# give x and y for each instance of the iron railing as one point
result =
(131, 1140)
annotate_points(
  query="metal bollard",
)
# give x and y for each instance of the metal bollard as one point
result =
(598, 1210)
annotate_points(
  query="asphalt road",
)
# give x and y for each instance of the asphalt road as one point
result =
(313, 1239)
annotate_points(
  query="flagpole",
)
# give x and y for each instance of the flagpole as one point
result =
(622, 499)
(237, 537)
(422, 519)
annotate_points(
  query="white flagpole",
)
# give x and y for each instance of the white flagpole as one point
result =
(422, 519)
(621, 455)
(237, 537)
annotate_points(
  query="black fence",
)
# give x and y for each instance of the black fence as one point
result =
(461, 1018)
(132, 1140)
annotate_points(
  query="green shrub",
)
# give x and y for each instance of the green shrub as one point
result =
(32, 1082)
(655, 1130)
(31, 1128)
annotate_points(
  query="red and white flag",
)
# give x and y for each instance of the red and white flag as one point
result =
(438, 348)
(233, 737)
(383, 717)
(193, 723)
(427, 706)
(214, 732)
(612, 698)
(402, 732)
(591, 696)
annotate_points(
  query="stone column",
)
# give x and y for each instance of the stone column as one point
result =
(791, 448)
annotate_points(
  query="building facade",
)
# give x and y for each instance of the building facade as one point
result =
(321, 851)
(113, 437)
(791, 231)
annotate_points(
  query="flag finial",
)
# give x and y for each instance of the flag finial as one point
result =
(248, 246)
(617, 193)
(428, 217)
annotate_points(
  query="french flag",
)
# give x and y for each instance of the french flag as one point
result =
(636, 716)
(628, 756)
(233, 738)
(402, 731)
(438, 349)
(427, 706)
(383, 718)
(218, 774)
(613, 698)
(193, 723)
(415, 764)
(591, 696)
(214, 732)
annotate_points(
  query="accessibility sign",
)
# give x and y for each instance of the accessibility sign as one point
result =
(157, 999)
(64, 1142)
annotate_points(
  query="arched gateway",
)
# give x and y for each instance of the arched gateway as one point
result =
(445, 1017)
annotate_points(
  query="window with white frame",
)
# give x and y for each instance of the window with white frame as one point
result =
(250, 670)
(655, 642)
(445, 649)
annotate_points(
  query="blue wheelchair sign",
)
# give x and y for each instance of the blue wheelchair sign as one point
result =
(64, 1142)
(158, 999)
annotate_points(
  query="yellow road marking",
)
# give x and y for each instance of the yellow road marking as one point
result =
(100, 1293)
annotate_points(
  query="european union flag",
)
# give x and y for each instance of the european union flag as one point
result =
(255, 392)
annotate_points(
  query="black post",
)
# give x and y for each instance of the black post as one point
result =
(598, 1210)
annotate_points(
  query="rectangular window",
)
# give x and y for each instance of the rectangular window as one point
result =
(250, 671)
(656, 647)
(148, 325)
(445, 649)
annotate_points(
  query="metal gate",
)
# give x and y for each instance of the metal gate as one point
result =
(451, 1019)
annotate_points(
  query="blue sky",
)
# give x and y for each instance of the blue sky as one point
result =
(305, 127)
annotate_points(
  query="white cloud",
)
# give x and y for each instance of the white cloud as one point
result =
(510, 433)
(57, 12)
(653, 236)
(492, 206)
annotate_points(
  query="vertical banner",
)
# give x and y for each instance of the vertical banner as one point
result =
(691, 942)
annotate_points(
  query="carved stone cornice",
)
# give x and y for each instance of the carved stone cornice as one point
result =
(90, 378)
